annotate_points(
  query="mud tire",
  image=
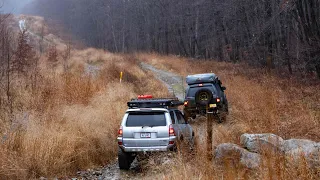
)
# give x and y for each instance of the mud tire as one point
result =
(124, 159)
(186, 114)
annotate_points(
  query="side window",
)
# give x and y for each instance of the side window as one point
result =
(172, 117)
(180, 118)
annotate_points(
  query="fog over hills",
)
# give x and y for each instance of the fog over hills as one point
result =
(13, 6)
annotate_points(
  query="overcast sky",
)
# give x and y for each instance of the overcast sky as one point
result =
(13, 6)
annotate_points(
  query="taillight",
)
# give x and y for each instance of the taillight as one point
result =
(120, 132)
(171, 131)
(218, 99)
(186, 103)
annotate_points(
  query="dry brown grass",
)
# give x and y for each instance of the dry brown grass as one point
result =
(70, 121)
(259, 103)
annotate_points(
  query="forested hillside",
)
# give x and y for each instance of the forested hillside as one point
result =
(272, 33)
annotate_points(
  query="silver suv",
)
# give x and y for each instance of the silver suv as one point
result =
(151, 125)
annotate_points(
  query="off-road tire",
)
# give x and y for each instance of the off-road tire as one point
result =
(124, 159)
(186, 114)
(223, 117)
(218, 118)
(201, 102)
(223, 114)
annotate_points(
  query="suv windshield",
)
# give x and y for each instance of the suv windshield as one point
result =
(151, 119)
(193, 90)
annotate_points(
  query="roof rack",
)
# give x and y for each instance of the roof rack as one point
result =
(154, 103)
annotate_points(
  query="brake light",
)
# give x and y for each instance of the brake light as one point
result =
(218, 99)
(120, 132)
(171, 131)
(145, 97)
(186, 103)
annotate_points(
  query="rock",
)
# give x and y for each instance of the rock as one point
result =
(167, 161)
(314, 158)
(98, 173)
(237, 155)
(304, 144)
(251, 160)
(300, 151)
(260, 143)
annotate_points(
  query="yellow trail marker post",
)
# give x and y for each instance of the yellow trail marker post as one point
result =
(121, 75)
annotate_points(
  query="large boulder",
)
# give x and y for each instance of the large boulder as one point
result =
(261, 143)
(227, 152)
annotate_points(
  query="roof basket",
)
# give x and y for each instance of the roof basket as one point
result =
(154, 103)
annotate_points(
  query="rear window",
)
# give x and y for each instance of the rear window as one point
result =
(193, 90)
(136, 119)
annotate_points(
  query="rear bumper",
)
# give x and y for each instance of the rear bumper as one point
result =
(201, 110)
(138, 145)
(147, 149)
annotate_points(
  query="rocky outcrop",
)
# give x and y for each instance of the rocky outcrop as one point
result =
(231, 152)
(260, 143)
(254, 146)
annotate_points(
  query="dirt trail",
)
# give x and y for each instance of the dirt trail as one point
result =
(174, 82)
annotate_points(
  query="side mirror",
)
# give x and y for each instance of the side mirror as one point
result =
(223, 88)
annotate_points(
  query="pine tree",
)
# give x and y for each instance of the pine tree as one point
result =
(24, 56)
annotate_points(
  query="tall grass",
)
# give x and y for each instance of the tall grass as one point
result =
(70, 120)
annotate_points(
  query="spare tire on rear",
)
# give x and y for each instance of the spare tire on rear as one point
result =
(203, 97)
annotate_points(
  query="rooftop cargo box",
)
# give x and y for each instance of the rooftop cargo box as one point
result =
(201, 78)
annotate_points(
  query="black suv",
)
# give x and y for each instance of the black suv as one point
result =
(205, 93)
